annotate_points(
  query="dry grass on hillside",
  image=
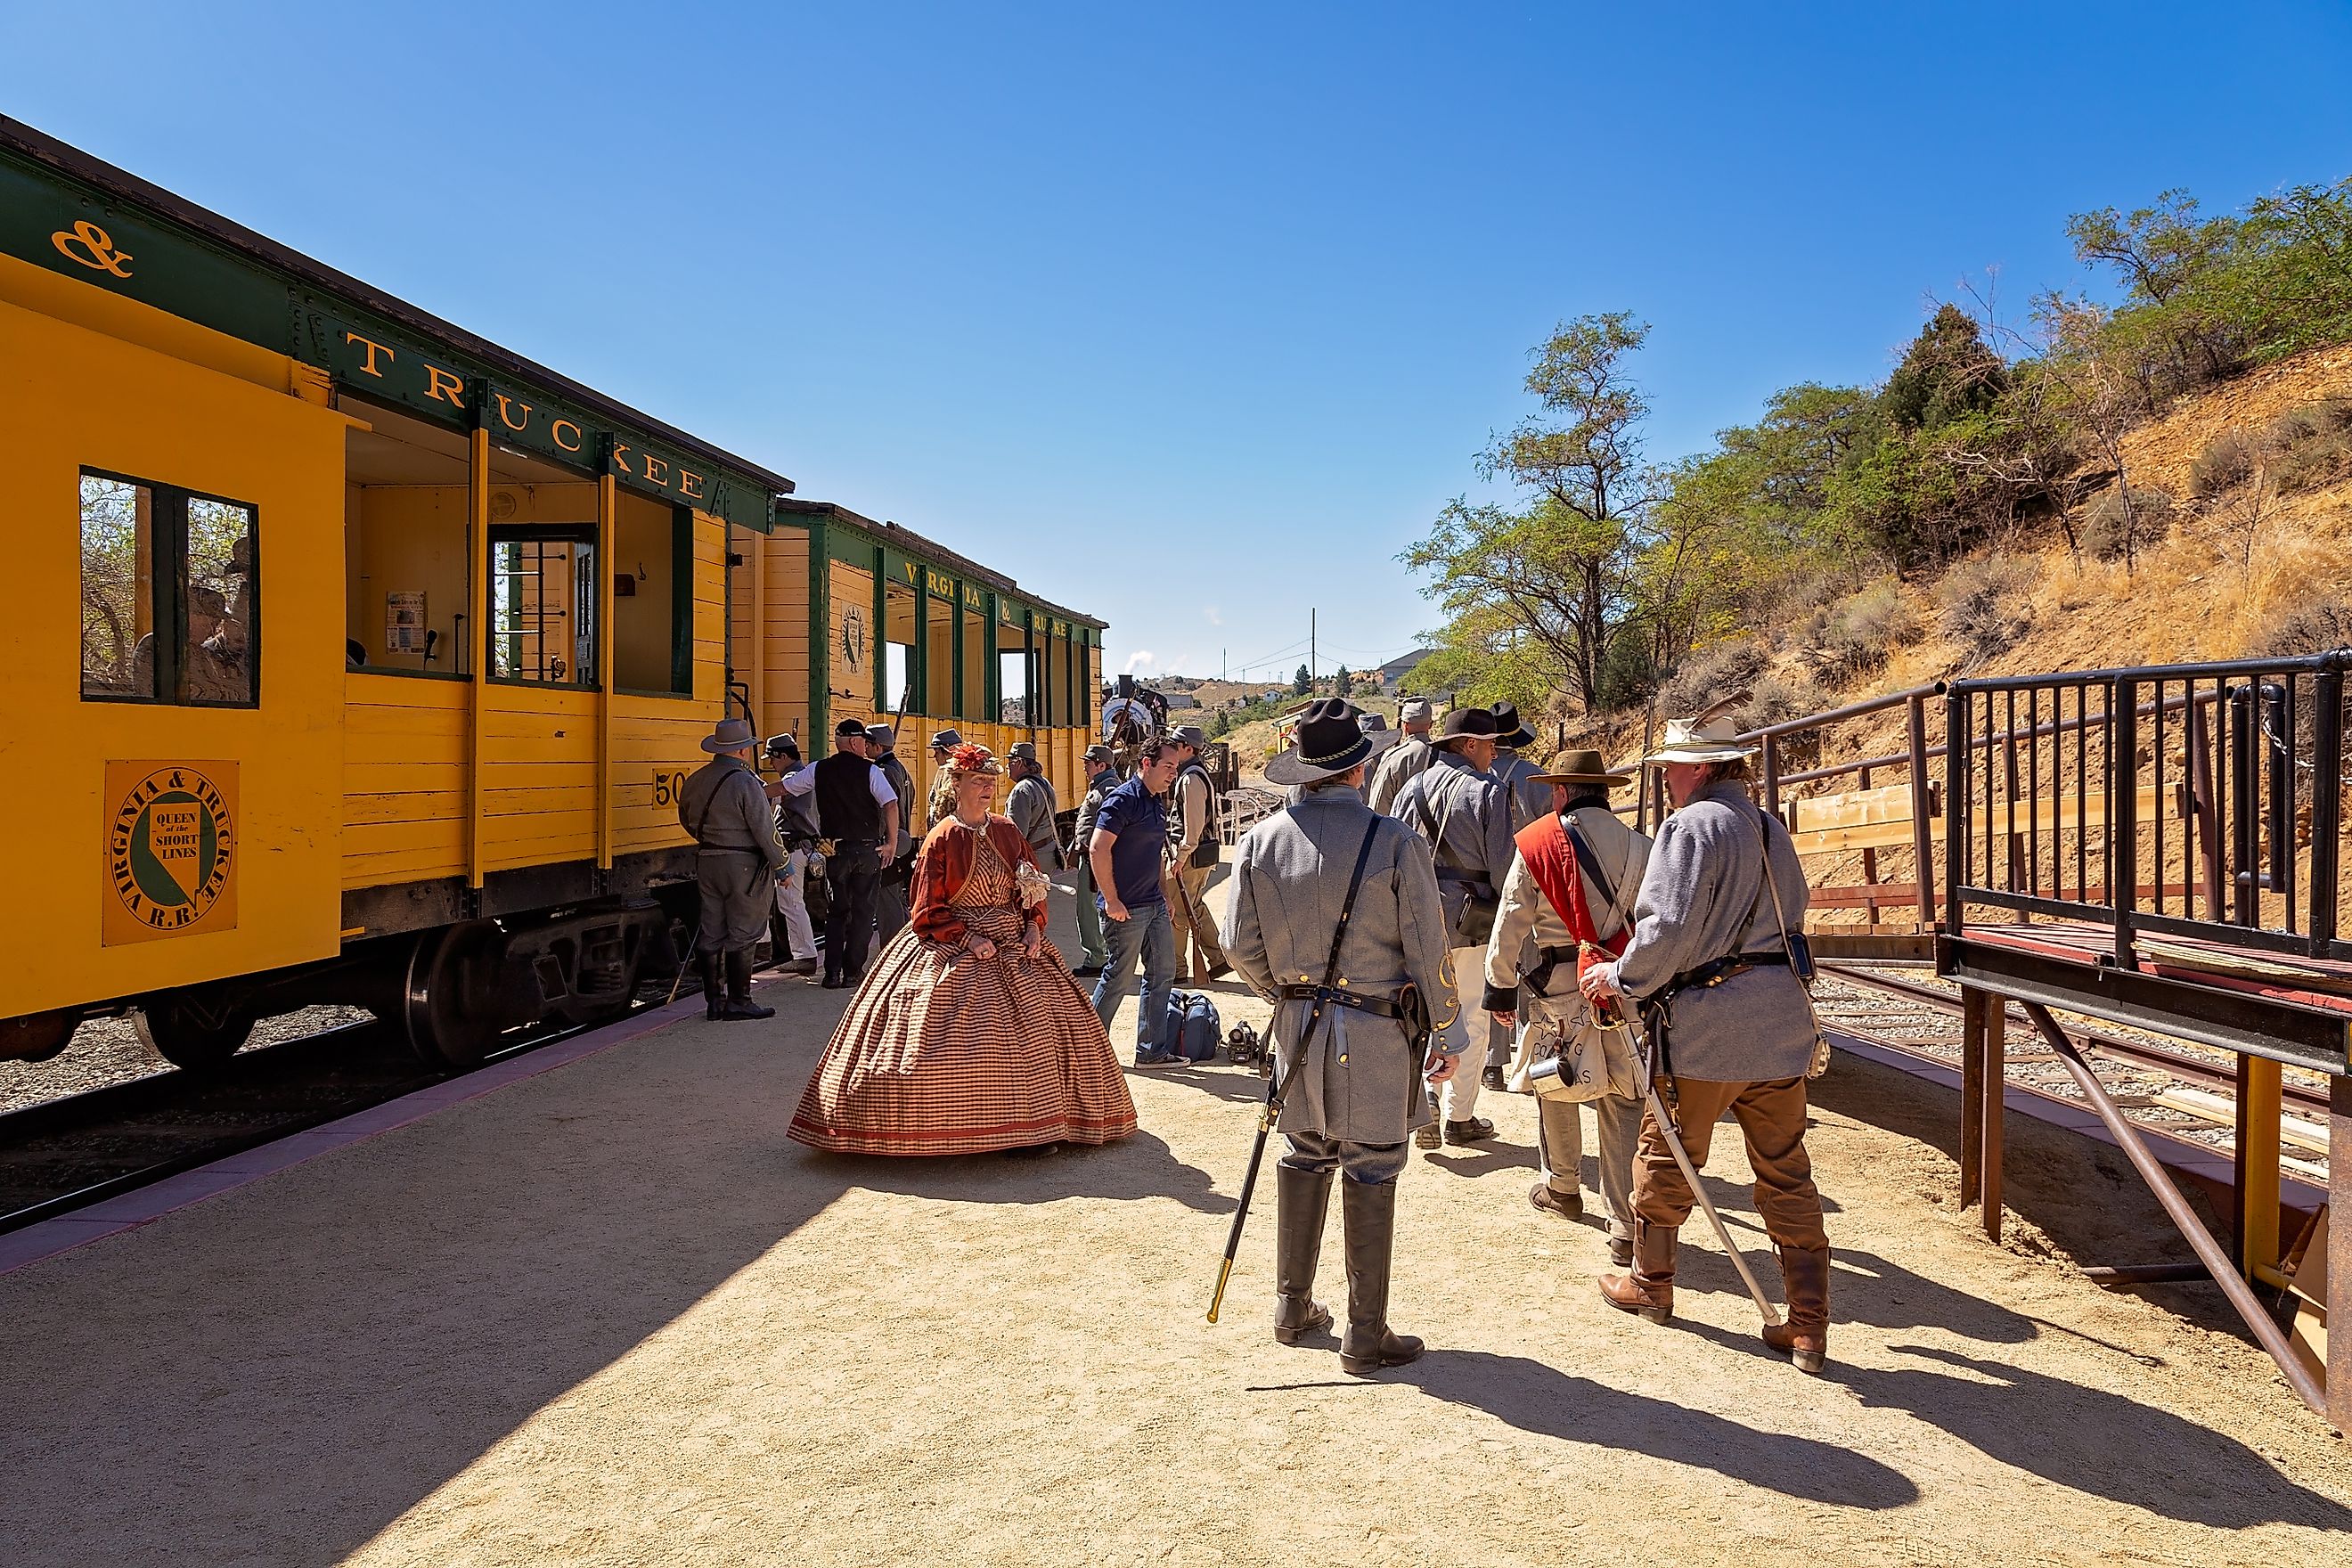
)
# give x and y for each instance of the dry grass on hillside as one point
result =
(2199, 594)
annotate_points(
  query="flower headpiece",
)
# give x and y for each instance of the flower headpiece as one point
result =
(971, 758)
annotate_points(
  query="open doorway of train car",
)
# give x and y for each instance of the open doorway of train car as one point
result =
(938, 657)
(406, 510)
(1013, 668)
(898, 694)
(407, 501)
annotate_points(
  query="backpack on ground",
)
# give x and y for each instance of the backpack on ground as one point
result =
(1193, 1030)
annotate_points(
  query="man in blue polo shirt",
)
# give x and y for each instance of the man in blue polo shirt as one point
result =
(1130, 840)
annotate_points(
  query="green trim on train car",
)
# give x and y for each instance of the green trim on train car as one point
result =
(115, 232)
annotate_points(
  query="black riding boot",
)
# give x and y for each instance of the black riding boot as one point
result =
(1301, 1200)
(738, 989)
(1367, 1214)
(714, 999)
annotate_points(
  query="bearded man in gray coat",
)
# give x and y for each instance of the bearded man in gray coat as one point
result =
(1730, 1024)
(1352, 1086)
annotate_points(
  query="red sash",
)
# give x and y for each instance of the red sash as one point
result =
(1552, 860)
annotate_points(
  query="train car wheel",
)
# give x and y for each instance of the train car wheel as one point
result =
(449, 1007)
(37, 1036)
(191, 1034)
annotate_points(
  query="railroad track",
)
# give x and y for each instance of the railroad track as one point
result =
(67, 1153)
(2186, 1090)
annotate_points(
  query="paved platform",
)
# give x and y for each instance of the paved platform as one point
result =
(607, 1312)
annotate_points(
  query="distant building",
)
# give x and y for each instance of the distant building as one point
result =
(1393, 673)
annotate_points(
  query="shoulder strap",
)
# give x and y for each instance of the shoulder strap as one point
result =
(1276, 1094)
(1589, 864)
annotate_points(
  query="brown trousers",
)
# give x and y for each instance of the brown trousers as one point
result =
(1196, 938)
(1771, 1116)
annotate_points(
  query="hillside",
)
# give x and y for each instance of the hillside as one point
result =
(2229, 579)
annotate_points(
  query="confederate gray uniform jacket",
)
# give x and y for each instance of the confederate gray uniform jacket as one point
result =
(1032, 807)
(1704, 896)
(726, 808)
(1405, 761)
(902, 784)
(1466, 820)
(1528, 800)
(1289, 878)
(1088, 809)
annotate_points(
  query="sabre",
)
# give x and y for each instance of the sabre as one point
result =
(1278, 1085)
(1667, 1129)
(692, 942)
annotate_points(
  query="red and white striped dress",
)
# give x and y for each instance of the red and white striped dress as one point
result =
(944, 1052)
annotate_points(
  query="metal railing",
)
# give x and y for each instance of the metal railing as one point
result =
(2130, 798)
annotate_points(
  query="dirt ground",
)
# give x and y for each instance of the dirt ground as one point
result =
(612, 1315)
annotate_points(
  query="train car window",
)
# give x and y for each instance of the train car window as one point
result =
(1012, 679)
(899, 693)
(653, 617)
(216, 584)
(169, 595)
(543, 605)
(117, 594)
(976, 668)
(939, 658)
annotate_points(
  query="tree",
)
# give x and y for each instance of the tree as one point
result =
(1343, 683)
(1302, 683)
(1560, 572)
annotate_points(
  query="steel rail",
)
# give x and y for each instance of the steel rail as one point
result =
(2139, 1053)
(155, 1091)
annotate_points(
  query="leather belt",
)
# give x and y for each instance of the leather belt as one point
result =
(1377, 1007)
(1721, 969)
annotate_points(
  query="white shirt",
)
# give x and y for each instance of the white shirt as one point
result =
(803, 781)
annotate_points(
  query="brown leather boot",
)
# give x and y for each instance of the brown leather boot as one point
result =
(1805, 1337)
(1648, 1292)
(1302, 1199)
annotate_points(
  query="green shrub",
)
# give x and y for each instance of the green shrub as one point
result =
(1714, 671)
(1985, 602)
(2228, 461)
(2312, 446)
(2320, 624)
(1775, 699)
(1860, 630)
(2111, 534)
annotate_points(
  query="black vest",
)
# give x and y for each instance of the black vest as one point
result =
(1205, 852)
(846, 807)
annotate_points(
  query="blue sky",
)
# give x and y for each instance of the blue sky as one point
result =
(1191, 317)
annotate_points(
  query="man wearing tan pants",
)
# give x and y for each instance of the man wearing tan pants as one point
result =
(1711, 959)
(1193, 850)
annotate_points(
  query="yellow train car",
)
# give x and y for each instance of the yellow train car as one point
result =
(360, 659)
(839, 616)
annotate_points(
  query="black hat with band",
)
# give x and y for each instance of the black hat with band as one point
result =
(1328, 741)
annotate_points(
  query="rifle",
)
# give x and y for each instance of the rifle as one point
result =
(1277, 1082)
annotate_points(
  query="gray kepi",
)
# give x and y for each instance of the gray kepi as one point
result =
(1328, 741)
(732, 735)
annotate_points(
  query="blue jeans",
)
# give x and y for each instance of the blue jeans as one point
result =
(1145, 934)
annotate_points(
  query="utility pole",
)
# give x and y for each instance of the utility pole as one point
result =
(1314, 670)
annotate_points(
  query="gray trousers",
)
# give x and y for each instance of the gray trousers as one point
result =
(739, 893)
(1371, 1163)
(1559, 1138)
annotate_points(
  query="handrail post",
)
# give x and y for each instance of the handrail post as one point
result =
(1772, 775)
(2244, 786)
(1922, 841)
(2327, 806)
(1957, 848)
(2277, 744)
(2122, 814)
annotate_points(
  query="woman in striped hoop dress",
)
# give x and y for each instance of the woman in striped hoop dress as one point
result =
(968, 1035)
